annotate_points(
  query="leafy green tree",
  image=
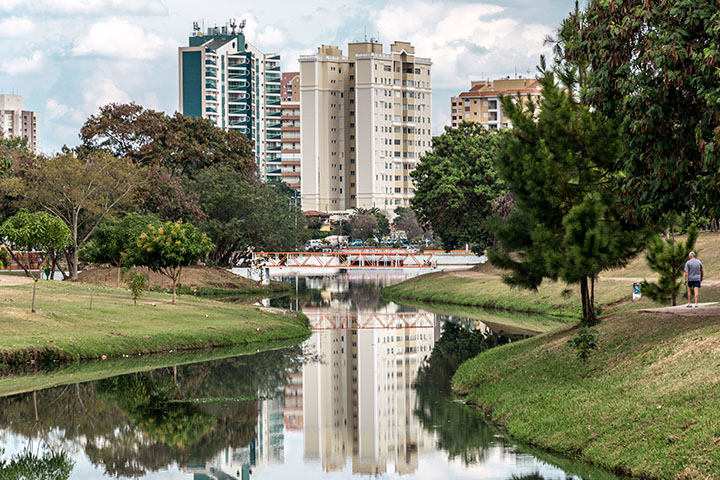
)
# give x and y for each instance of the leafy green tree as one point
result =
(241, 216)
(667, 257)
(654, 70)
(168, 248)
(456, 183)
(114, 237)
(180, 143)
(37, 231)
(80, 190)
(568, 223)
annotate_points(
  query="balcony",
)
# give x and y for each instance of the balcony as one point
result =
(210, 61)
(211, 84)
(235, 110)
(274, 136)
(272, 77)
(273, 126)
(211, 72)
(272, 67)
(242, 75)
(273, 101)
(237, 86)
(211, 98)
(273, 115)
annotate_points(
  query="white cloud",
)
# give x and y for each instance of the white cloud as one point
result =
(270, 37)
(464, 41)
(16, 27)
(55, 109)
(87, 7)
(119, 39)
(101, 90)
(23, 65)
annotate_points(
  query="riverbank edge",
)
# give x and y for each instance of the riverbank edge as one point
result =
(65, 330)
(407, 291)
(493, 378)
(19, 379)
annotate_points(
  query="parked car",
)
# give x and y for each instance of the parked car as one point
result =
(411, 249)
(314, 245)
(356, 243)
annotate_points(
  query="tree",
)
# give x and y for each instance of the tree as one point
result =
(406, 221)
(168, 248)
(569, 222)
(179, 143)
(80, 190)
(456, 183)
(654, 70)
(667, 258)
(137, 283)
(241, 217)
(363, 225)
(383, 224)
(114, 238)
(38, 231)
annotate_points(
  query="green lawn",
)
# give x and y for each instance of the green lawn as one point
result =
(645, 404)
(66, 328)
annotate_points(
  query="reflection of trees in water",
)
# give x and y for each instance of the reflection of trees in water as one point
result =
(131, 424)
(30, 465)
(355, 295)
(460, 430)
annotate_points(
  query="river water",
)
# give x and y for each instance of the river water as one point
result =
(366, 395)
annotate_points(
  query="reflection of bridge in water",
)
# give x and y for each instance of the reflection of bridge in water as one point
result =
(370, 321)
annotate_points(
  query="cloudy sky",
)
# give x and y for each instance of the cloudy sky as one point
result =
(68, 57)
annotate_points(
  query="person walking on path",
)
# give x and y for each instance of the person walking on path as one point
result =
(693, 277)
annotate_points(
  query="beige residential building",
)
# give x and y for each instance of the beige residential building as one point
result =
(16, 122)
(290, 129)
(482, 102)
(365, 122)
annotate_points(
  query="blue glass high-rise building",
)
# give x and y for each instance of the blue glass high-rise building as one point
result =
(227, 80)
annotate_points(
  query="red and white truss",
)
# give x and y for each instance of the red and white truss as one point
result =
(357, 321)
(387, 258)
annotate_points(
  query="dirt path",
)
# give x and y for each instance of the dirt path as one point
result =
(9, 280)
(709, 309)
(476, 274)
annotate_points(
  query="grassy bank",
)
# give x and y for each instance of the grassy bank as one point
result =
(482, 287)
(645, 404)
(66, 328)
(464, 288)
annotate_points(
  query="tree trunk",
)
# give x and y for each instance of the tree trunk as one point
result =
(74, 269)
(35, 282)
(587, 307)
(174, 280)
(118, 276)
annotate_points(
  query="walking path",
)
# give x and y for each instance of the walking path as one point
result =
(707, 309)
(9, 280)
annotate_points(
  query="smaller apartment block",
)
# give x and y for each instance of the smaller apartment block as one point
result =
(290, 120)
(482, 102)
(18, 123)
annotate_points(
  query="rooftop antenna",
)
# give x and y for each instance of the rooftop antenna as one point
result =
(196, 28)
(233, 25)
(242, 26)
(365, 31)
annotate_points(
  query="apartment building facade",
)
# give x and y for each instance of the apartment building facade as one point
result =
(365, 122)
(15, 122)
(482, 102)
(290, 129)
(228, 81)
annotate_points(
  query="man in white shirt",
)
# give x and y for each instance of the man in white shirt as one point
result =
(693, 277)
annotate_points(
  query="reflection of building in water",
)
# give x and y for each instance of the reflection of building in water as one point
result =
(294, 402)
(266, 448)
(359, 400)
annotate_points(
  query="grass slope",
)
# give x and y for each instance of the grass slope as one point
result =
(645, 404)
(65, 327)
(551, 298)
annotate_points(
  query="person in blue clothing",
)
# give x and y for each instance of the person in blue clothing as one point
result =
(693, 277)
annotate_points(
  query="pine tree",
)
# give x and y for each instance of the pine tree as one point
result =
(568, 223)
(667, 257)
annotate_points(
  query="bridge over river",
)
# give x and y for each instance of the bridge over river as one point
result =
(365, 258)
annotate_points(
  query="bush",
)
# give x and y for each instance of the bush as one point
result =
(137, 284)
(584, 342)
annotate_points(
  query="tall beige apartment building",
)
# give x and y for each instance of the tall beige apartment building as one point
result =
(290, 129)
(365, 122)
(482, 102)
(16, 122)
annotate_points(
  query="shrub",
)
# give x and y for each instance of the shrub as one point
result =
(584, 342)
(137, 284)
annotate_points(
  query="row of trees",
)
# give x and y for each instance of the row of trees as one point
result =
(622, 143)
(175, 168)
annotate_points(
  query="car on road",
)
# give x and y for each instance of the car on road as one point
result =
(411, 249)
(356, 243)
